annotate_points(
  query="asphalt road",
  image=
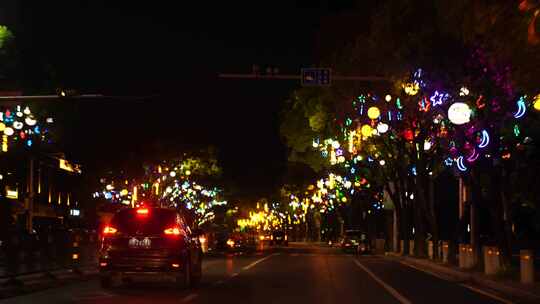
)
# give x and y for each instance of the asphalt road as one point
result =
(297, 274)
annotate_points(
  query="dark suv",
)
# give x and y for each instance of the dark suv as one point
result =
(149, 241)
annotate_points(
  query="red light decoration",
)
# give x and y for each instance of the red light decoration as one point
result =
(408, 135)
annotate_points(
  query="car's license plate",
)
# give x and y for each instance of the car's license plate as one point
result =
(140, 243)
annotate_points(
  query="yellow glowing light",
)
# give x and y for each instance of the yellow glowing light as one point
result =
(373, 113)
(536, 102)
(188, 172)
(124, 192)
(13, 194)
(2, 127)
(411, 88)
(344, 199)
(367, 131)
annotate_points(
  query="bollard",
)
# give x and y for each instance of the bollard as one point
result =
(469, 257)
(411, 247)
(492, 262)
(379, 246)
(444, 249)
(462, 256)
(526, 266)
(430, 250)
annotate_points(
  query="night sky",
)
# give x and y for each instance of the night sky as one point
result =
(172, 53)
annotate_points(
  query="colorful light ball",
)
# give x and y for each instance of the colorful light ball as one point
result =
(366, 130)
(388, 97)
(408, 135)
(9, 131)
(536, 102)
(459, 113)
(382, 127)
(373, 113)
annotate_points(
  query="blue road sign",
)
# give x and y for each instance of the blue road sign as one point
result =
(316, 77)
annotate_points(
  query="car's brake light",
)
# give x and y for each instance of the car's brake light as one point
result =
(108, 230)
(142, 211)
(173, 231)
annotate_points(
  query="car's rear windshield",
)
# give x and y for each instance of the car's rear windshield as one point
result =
(131, 221)
(279, 233)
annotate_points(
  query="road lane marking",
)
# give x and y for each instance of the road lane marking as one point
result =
(190, 297)
(442, 277)
(258, 261)
(388, 288)
(487, 294)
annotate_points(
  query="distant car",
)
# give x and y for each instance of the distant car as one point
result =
(355, 241)
(279, 237)
(145, 241)
(240, 242)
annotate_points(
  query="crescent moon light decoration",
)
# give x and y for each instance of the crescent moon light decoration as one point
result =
(460, 164)
(485, 140)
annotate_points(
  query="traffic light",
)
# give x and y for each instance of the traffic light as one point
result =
(316, 76)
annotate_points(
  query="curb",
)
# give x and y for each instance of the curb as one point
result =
(54, 275)
(459, 275)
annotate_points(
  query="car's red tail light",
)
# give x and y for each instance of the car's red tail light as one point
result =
(173, 231)
(108, 230)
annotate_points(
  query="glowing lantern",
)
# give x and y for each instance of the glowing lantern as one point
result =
(382, 128)
(459, 113)
(18, 125)
(9, 131)
(536, 102)
(366, 130)
(388, 98)
(373, 113)
(172, 173)
(27, 111)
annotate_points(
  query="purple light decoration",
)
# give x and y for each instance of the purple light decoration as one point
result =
(438, 98)
(339, 152)
(473, 157)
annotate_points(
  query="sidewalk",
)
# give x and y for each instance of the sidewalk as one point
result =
(28, 283)
(453, 273)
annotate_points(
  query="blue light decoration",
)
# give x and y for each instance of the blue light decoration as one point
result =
(29, 143)
(460, 164)
(413, 171)
(399, 116)
(438, 98)
(324, 153)
(521, 108)
(390, 115)
(353, 170)
(485, 140)
(449, 162)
